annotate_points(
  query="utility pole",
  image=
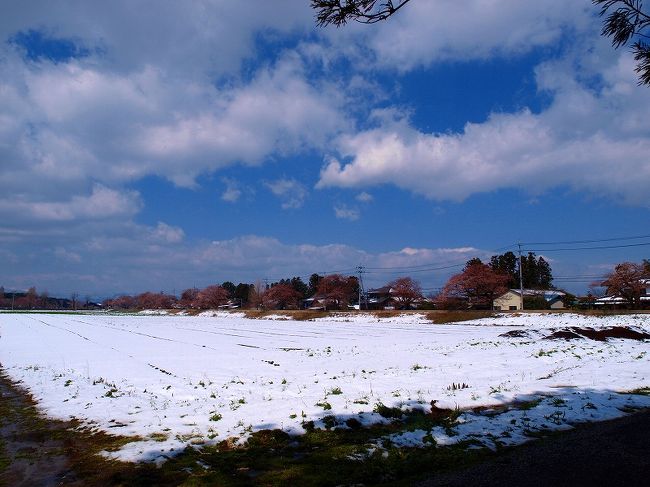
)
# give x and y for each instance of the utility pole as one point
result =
(521, 279)
(360, 272)
(13, 295)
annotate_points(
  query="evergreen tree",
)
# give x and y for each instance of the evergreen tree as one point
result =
(298, 284)
(544, 275)
(536, 272)
(529, 271)
(507, 264)
(314, 281)
(230, 287)
(472, 262)
(242, 291)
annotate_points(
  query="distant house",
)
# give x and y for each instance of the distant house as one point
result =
(511, 301)
(614, 301)
(231, 304)
(387, 298)
(380, 298)
(315, 303)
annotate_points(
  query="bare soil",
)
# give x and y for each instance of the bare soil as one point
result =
(37, 451)
(621, 332)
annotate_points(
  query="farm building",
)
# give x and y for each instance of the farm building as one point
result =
(511, 301)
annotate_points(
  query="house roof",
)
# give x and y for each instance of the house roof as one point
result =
(617, 300)
(547, 294)
(610, 300)
(379, 300)
(380, 290)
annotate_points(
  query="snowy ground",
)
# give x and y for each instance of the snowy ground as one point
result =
(177, 380)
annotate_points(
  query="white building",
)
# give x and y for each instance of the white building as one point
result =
(511, 301)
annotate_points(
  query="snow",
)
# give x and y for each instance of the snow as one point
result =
(176, 380)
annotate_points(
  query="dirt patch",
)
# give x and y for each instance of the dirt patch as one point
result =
(516, 334)
(442, 317)
(297, 315)
(35, 450)
(620, 332)
(564, 335)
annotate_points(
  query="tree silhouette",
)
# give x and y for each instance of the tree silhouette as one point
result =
(340, 12)
(625, 21)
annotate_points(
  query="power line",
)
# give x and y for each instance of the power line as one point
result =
(599, 247)
(430, 269)
(586, 241)
(430, 264)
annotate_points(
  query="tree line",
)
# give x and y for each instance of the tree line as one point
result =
(479, 284)
(335, 290)
(33, 299)
(476, 286)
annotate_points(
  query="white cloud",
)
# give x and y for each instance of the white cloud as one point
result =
(232, 192)
(73, 121)
(278, 112)
(100, 204)
(290, 191)
(343, 212)
(425, 32)
(167, 233)
(578, 141)
(63, 254)
(364, 197)
(144, 103)
(203, 37)
(136, 258)
(410, 257)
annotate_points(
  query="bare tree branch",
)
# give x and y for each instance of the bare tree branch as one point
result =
(340, 12)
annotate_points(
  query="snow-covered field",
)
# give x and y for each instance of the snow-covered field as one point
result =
(177, 380)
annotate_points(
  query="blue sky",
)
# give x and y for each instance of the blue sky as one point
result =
(236, 141)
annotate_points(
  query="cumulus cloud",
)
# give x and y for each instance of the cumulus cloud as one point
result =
(576, 142)
(290, 191)
(74, 121)
(185, 93)
(232, 192)
(426, 32)
(131, 107)
(168, 233)
(137, 258)
(278, 112)
(364, 197)
(204, 37)
(344, 212)
(100, 204)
